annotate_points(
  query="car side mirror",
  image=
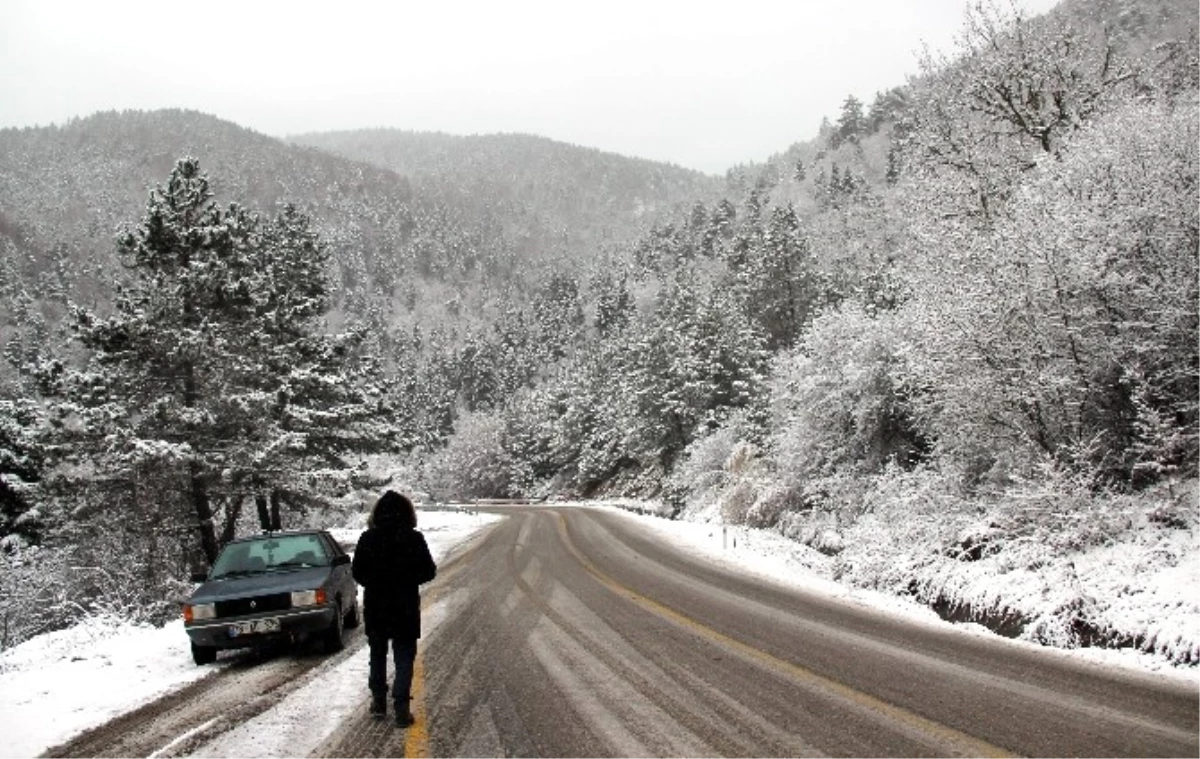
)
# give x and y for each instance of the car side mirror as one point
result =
(340, 560)
(199, 576)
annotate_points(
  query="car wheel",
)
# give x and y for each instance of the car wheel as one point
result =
(352, 619)
(333, 635)
(204, 654)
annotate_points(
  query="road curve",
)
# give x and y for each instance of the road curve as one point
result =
(567, 632)
(570, 633)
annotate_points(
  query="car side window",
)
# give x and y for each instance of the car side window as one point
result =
(331, 545)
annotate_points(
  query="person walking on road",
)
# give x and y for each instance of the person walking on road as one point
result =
(391, 560)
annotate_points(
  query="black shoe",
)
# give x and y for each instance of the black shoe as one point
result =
(404, 718)
(378, 707)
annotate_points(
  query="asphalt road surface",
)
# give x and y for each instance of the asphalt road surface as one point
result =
(567, 632)
(574, 635)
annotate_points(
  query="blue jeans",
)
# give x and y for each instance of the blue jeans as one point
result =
(404, 652)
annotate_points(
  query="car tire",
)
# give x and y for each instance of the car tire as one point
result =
(353, 619)
(333, 634)
(204, 654)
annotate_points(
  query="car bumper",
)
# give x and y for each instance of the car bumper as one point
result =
(293, 624)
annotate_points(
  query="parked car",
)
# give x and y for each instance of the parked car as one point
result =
(270, 588)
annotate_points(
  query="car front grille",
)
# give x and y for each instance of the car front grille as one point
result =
(239, 606)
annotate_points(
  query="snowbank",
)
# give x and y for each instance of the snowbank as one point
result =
(1106, 579)
(59, 684)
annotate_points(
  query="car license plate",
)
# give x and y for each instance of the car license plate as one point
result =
(254, 626)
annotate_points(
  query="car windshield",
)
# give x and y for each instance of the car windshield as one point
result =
(269, 553)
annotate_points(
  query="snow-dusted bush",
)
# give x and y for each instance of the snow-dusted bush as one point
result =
(839, 403)
(700, 473)
(131, 575)
(34, 591)
(1068, 327)
(474, 463)
(719, 475)
(736, 501)
(839, 414)
(774, 500)
(129, 563)
(1051, 560)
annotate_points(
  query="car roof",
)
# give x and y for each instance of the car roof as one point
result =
(276, 534)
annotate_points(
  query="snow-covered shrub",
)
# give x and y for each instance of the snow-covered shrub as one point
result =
(720, 474)
(773, 501)
(474, 463)
(130, 564)
(34, 591)
(736, 501)
(1053, 560)
(708, 454)
(839, 402)
(695, 483)
(1061, 511)
(907, 517)
(131, 561)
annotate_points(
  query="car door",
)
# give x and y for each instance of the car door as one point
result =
(343, 580)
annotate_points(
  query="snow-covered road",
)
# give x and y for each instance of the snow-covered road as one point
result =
(58, 685)
(584, 632)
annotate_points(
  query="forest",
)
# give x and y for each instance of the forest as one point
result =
(957, 328)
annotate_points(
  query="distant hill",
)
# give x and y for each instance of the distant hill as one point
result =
(394, 205)
(547, 193)
(65, 191)
(453, 232)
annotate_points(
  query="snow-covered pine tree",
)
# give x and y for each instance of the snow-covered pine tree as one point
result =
(323, 394)
(779, 288)
(211, 377)
(22, 460)
(851, 123)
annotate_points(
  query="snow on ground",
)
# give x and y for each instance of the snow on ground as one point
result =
(766, 554)
(57, 685)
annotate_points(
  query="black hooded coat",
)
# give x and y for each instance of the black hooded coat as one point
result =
(390, 562)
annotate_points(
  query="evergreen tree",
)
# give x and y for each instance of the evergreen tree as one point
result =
(779, 287)
(887, 106)
(614, 304)
(22, 461)
(851, 123)
(558, 312)
(210, 374)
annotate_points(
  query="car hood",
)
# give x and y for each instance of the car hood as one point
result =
(278, 581)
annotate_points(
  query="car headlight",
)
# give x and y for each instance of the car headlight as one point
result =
(194, 612)
(308, 597)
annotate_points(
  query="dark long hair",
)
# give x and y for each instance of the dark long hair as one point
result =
(393, 510)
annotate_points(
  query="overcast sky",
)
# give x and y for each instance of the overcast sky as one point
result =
(701, 84)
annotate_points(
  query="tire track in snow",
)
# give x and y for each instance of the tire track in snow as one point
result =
(203, 710)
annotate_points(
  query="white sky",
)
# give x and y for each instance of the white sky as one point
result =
(701, 84)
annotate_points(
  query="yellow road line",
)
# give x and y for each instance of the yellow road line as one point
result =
(966, 744)
(416, 737)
